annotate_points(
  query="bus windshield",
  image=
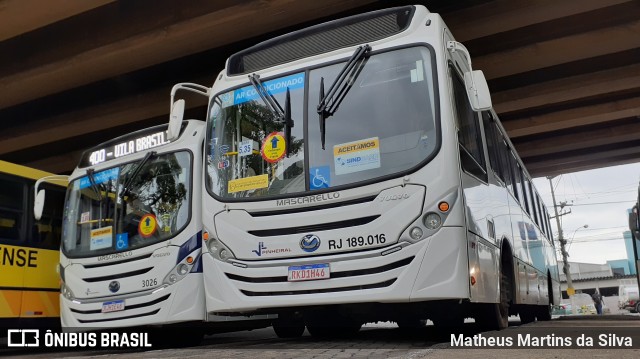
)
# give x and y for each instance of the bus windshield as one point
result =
(102, 216)
(385, 125)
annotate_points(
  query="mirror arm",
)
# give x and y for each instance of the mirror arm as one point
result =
(53, 178)
(37, 208)
(454, 46)
(191, 87)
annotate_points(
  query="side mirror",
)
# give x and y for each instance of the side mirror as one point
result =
(175, 121)
(478, 90)
(38, 205)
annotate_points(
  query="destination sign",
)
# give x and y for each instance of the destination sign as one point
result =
(125, 146)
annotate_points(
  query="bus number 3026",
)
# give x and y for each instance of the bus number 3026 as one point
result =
(360, 241)
(149, 282)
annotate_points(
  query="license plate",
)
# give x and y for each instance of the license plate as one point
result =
(308, 272)
(115, 306)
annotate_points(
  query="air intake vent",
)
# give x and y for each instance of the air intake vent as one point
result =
(321, 38)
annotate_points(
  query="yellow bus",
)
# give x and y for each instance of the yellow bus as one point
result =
(29, 250)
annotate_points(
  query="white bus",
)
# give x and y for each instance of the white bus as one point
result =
(132, 235)
(356, 172)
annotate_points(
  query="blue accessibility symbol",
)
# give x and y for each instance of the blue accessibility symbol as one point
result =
(122, 241)
(320, 177)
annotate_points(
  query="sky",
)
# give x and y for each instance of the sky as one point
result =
(598, 198)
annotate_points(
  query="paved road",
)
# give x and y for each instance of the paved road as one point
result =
(385, 340)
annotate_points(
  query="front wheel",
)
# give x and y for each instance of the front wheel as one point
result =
(322, 330)
(411, 323)
(288, 327)
(496, 316)
(328, 324)
(638, 307)
(527, 316)
(544, 313)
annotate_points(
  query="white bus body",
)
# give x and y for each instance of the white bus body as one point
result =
(129, 282)
(132, 256)
(358, 231)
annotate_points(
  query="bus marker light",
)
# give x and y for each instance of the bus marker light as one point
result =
(473, 280)
(443, 206)
(205, 236)
(189, 259)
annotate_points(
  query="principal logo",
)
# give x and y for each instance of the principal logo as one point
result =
(258, 251)
(310, 243)
(114, 286)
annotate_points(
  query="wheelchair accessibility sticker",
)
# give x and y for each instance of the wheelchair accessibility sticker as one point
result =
(122, 241)
(320, 177)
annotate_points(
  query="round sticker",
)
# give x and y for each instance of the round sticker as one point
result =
(148, 225)
(273, 147)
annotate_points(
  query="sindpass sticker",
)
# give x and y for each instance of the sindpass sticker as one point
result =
(356, 156)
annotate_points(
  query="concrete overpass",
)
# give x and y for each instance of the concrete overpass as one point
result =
(565, 74)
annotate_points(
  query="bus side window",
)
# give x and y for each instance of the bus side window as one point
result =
(469, 137)
(514, 174)
(493, 144)
(12, 198)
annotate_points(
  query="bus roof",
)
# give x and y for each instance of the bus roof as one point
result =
(22, 171)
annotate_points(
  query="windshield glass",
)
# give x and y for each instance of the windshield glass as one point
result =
(246, 144)
(386, 124)
(102, 217)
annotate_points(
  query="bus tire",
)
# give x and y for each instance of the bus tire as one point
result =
(527, 314)
(544, 313)
(327, 324)
(411, 323)
(638, 307)
(496, 317)
(288, 327)
(333, 331)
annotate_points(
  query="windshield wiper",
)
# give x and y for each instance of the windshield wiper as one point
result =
(283, 116)
(330, 102)
(94, 185)
(134, 174)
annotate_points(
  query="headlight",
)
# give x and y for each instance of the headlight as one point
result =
(416, 233)
(432, 220)
(183, 268)
(66, 292)
(218, 249)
